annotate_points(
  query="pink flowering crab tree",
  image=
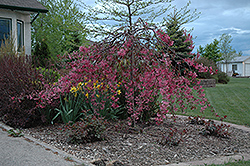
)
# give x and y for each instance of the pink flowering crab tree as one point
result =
(139, 61)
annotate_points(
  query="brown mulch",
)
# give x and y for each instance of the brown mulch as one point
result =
(144, 145)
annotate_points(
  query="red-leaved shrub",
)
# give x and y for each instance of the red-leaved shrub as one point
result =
(20, 83)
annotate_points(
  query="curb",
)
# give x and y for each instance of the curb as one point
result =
(54, 150)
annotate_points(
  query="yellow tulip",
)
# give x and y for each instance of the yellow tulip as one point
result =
(73, 89)
(80, 84)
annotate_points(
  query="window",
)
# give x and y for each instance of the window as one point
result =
(234, 67)
(5, 28)
(19, 35)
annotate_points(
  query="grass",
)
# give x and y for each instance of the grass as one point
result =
(232, 99)
(236, 163)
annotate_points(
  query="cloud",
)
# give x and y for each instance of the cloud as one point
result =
(235, 30)
(224, 16)
(247, 52)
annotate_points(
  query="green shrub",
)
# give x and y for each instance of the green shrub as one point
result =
(50, 74)
(223, 78)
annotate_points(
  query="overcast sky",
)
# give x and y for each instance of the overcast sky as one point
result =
(218, 17)
(221, 16)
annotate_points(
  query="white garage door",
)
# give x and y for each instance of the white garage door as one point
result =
(247, 69)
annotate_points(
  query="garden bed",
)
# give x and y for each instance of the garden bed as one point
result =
(141, 145)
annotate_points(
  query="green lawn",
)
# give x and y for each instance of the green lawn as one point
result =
(237, 163)
(232, 99)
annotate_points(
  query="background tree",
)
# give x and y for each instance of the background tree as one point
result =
(227, 52)
(211, 51)
(109, 14)
(183, 44)
(61, 26)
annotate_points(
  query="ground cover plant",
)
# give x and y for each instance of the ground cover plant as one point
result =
(230, 99)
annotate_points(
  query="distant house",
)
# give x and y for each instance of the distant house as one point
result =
(240, 65)
(15, 18)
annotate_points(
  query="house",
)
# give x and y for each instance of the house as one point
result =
(240, 65)
(15, 19)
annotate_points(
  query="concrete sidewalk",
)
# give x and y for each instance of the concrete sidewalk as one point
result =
(26, 151)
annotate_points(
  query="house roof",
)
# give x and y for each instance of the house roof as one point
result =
(23, 5)
(238, 59)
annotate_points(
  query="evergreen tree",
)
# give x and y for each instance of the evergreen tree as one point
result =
(211, 51)
(183, 44)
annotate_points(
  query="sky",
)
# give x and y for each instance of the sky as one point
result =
(218, 17)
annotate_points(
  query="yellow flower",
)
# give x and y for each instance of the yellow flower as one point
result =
(98, 86)
(98, 96)
(86, 83)
(75, 94)
(107, 86)
(87, 95)
(79, 84)
(119, 92)
(89, 80)
(96, 81)
(94, 84)
(73, 89)
(118, 85)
